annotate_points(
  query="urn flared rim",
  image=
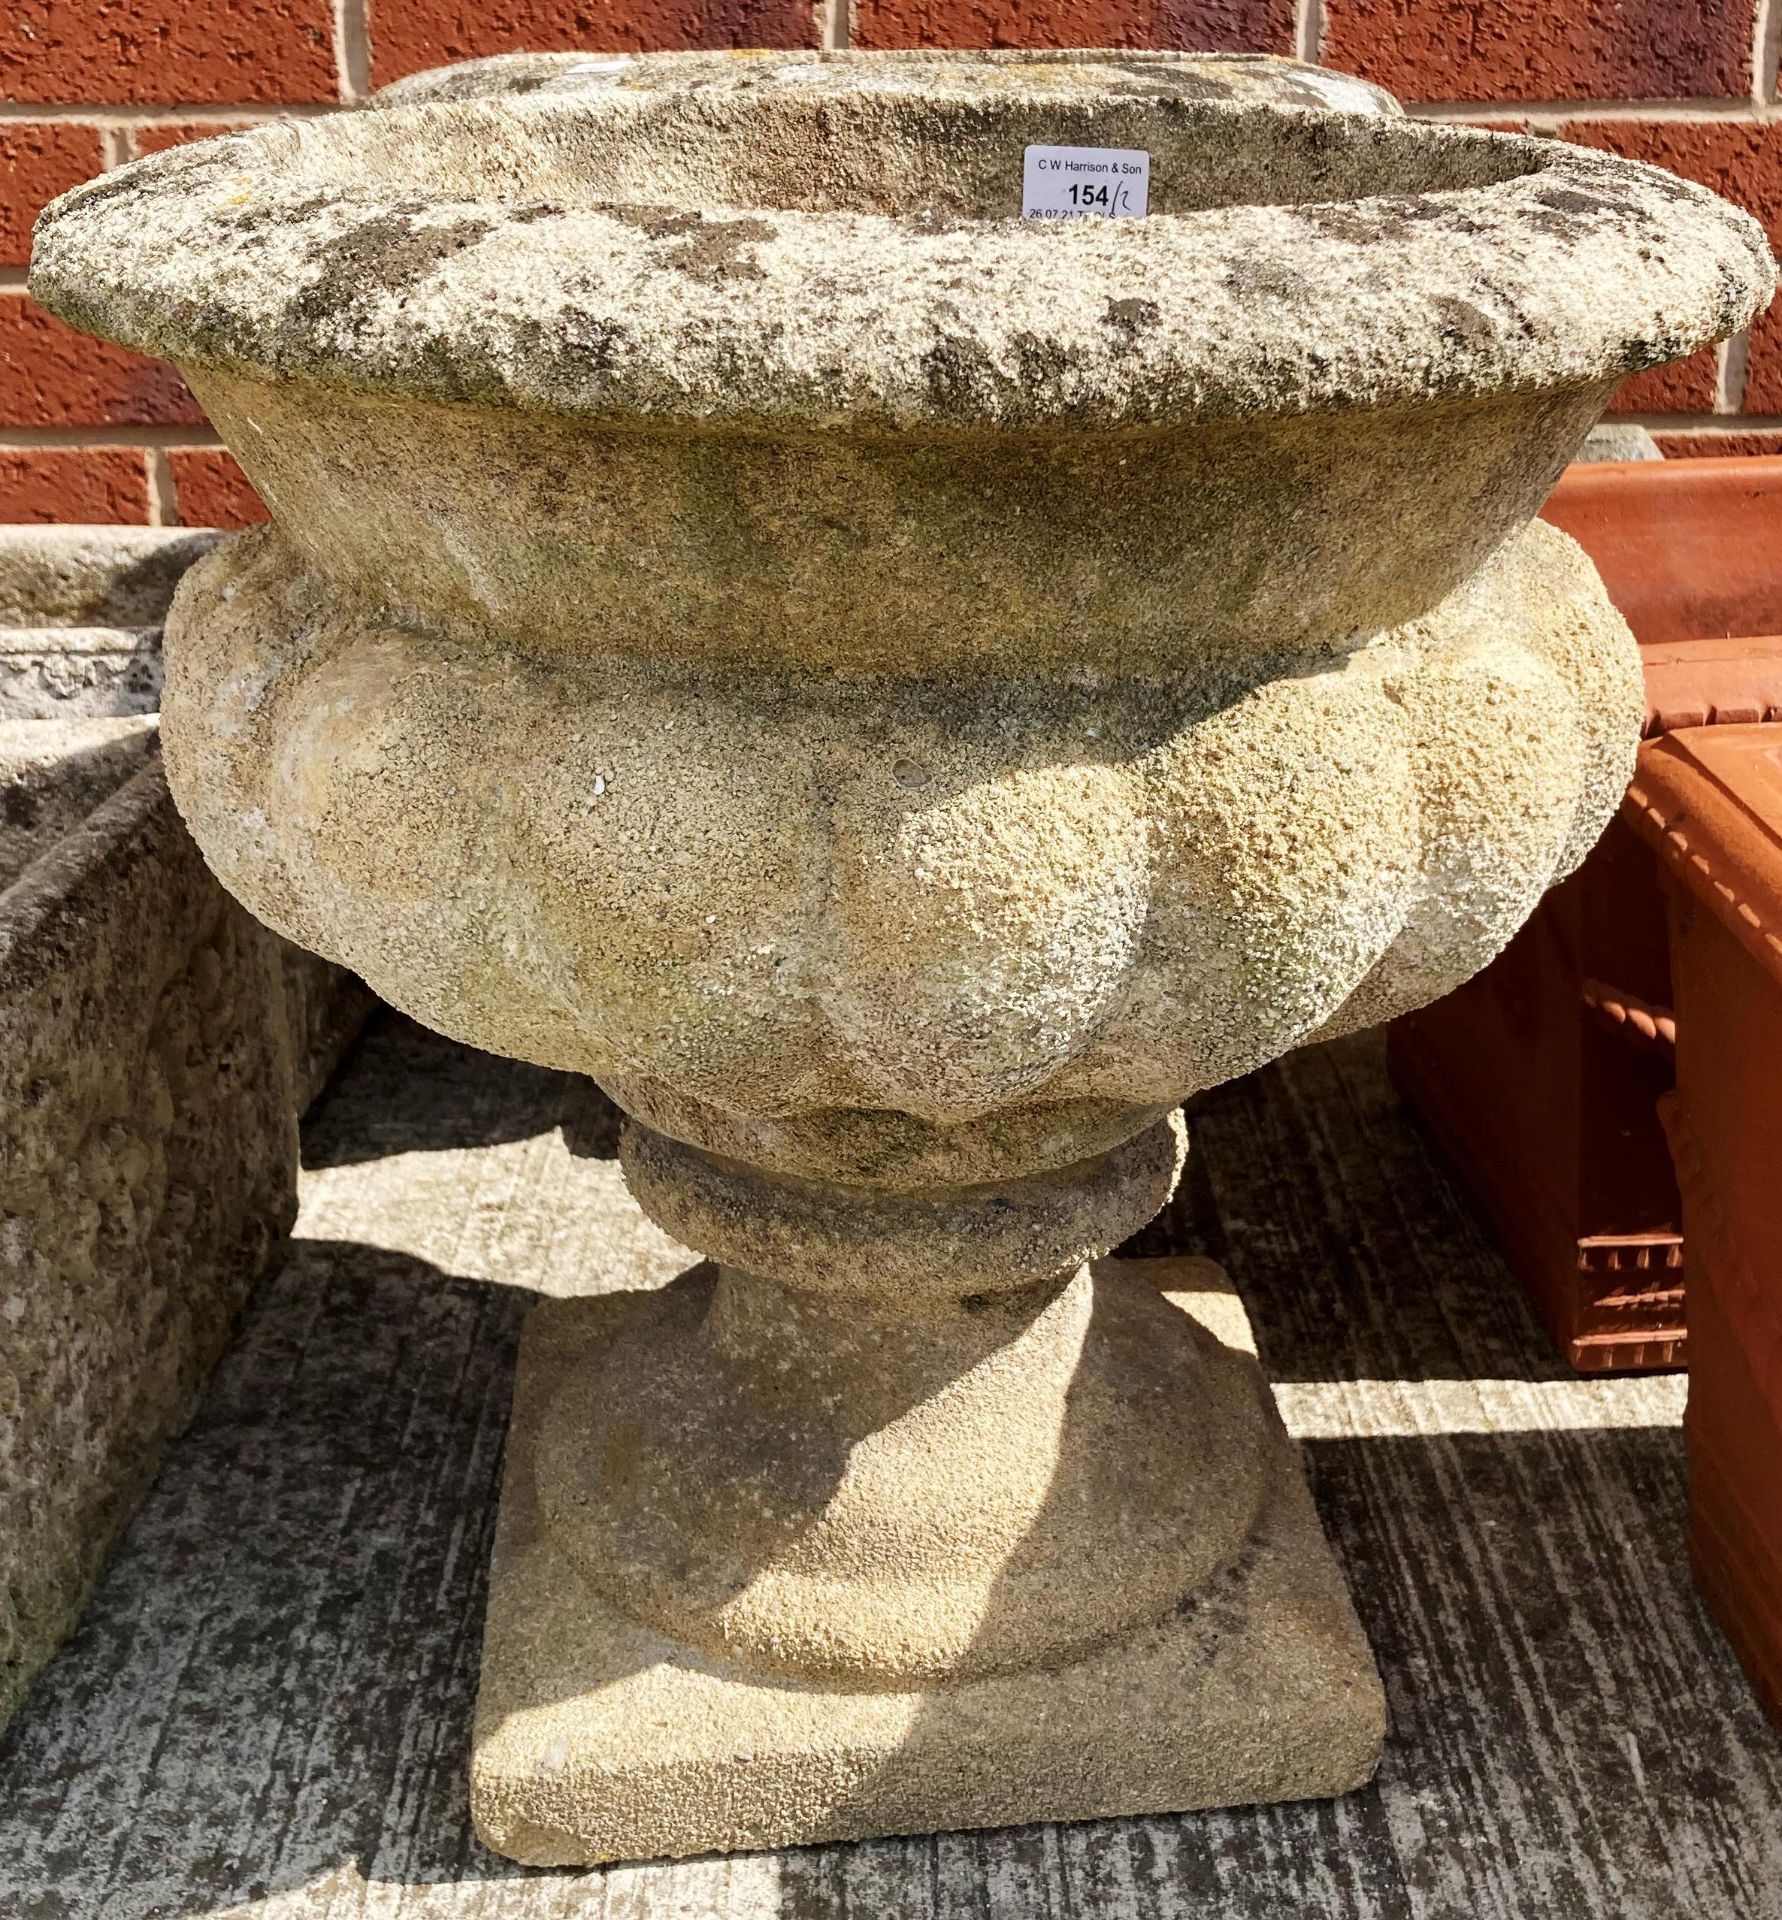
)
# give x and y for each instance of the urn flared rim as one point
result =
(787, 243)
(966, 72)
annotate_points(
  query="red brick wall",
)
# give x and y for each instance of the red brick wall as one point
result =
(88, 432)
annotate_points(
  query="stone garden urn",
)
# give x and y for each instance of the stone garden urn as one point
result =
(901, 693)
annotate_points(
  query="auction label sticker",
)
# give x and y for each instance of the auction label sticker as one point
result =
(1085, 183)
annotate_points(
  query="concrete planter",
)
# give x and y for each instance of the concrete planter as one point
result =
(155, 1045)
(900, 693)
(80, 617)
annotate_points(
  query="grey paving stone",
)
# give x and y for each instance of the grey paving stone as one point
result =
(267, 1710)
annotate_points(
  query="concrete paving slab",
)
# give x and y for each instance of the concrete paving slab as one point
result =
(266, 1712)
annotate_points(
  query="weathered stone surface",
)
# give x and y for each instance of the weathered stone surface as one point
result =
(548, 248)
(325, 1006)
(54, 773)
(1003, 74)
(929, 930)
(80, 616)
(92, 577)
(81, 613)
(154, 1044)
(1165, 1716)
(63, 672)
(1612, 441)
(147, 1175)
(902, 695)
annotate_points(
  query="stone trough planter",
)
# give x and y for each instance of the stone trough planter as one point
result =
(81, 610)
(902, 694)
(156, 1044)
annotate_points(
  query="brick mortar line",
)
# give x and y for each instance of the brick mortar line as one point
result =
(833, 22)
(1308, 29)
(1735, 371)
(37, 439)
(1708, 112)
(193, 114)
(1712, 425)
(124, 116)
(352, 50)
(163, 495)
(1769, 44)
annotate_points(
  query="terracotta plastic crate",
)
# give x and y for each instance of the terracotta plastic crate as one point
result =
(1541, 1078)
(1687, 548)
(1708, 800)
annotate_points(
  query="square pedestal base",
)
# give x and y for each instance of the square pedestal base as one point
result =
(597, 1739)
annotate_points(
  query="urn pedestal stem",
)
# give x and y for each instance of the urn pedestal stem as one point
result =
(907, 1447)
(863, 1513)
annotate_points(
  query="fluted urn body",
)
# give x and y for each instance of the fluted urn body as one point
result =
(902, 694)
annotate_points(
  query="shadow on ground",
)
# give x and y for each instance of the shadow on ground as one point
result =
(267, 1711)
(406, 1089)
